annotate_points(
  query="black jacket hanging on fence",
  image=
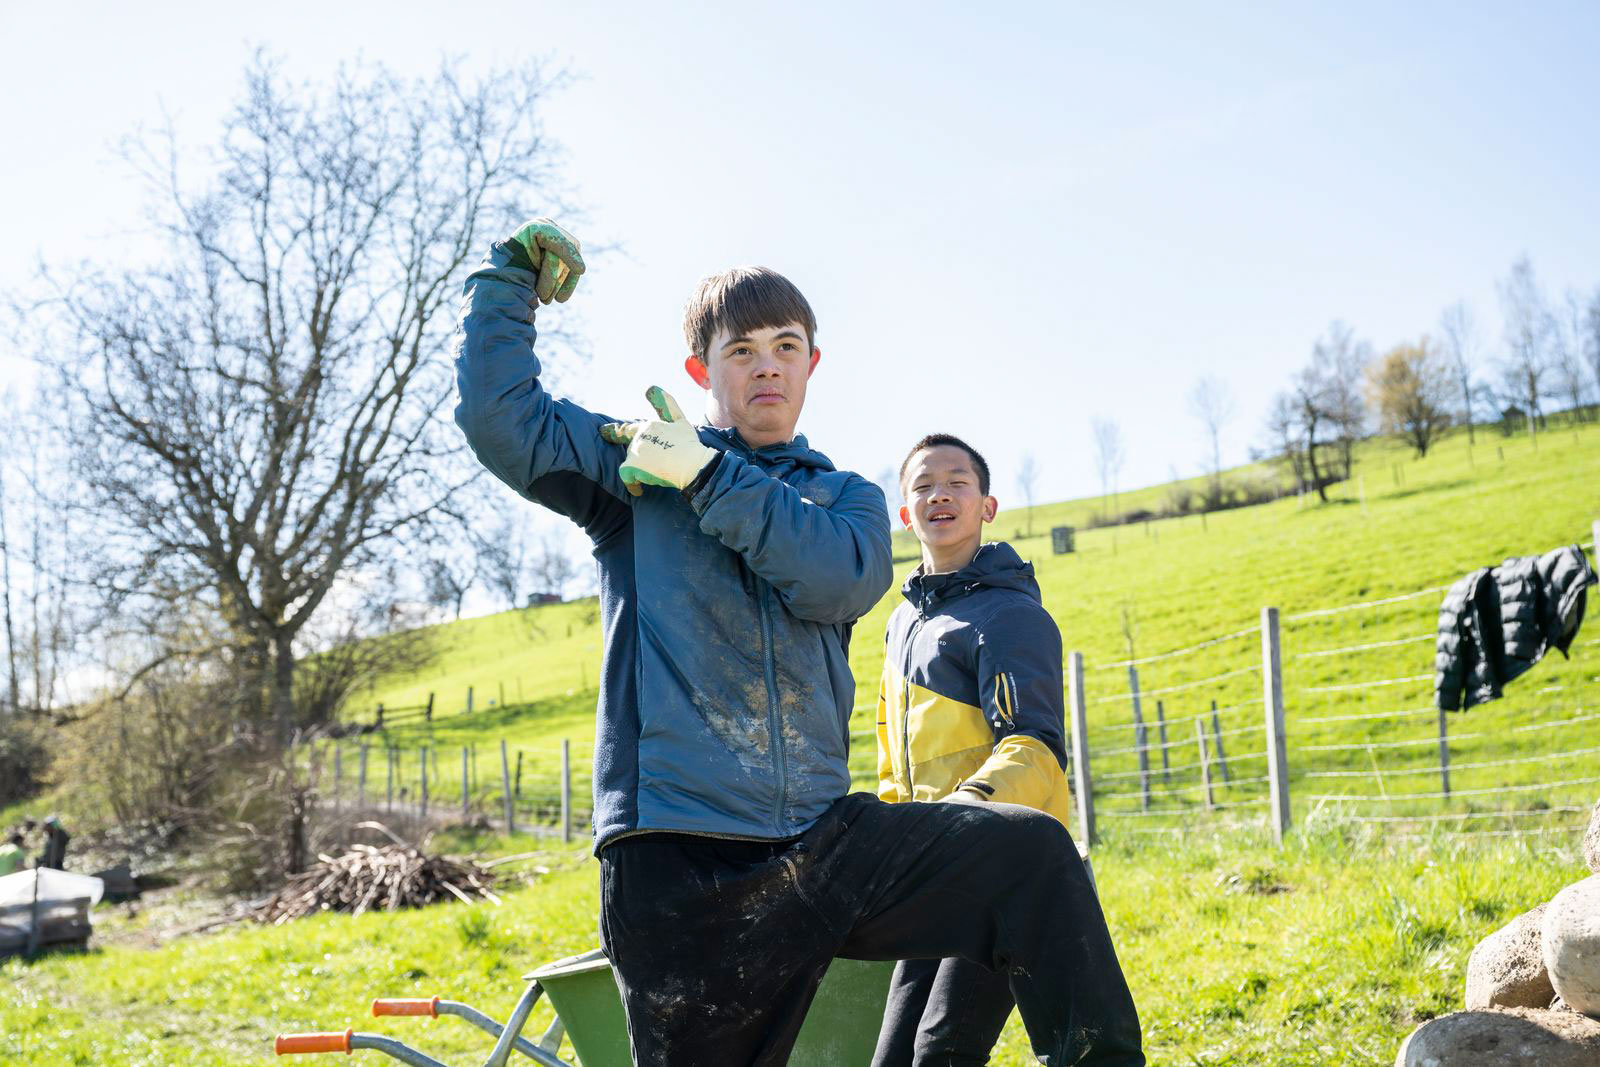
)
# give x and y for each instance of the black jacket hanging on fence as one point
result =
(1499, 621)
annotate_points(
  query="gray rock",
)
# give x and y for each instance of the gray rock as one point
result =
(1507, 969)
(1571, 944)
(1591, 840)
(1512, 1037)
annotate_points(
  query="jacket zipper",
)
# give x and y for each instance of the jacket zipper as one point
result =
(905, 698)
(774, 726)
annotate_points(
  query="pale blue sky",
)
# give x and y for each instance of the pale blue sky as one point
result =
(1009, 218)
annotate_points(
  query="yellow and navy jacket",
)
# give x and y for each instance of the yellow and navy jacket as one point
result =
(971, 694)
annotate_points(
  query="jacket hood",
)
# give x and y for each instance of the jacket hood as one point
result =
(781, 457)
(996, 566)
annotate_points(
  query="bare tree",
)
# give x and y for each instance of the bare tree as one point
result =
(1458, 340)
(1339, 362)
(1527, 333)
(1567, 330)
(13, 687)
(39, 552)
(1591, 335)
(265, 407)
(1109, 454)
(1211, 402)
(1284, 440)
(1410, 388)
(447, 581)
(1308, 394)
(551, 567)
(1027, 480)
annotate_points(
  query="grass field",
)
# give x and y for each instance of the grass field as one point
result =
(1399, 525)
(1320, 954)
(1325, 951)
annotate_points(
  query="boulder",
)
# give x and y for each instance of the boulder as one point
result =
(1591, 840)
(1510, 1037)
(1507, 969)
(1571, 944)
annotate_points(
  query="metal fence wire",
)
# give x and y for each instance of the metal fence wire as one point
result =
(1329, 712)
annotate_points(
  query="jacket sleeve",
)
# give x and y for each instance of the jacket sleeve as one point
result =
(516, 428)
(1019, 679)
(829, 565)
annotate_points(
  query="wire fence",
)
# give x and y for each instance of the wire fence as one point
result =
(1331, 711)
(539, 788)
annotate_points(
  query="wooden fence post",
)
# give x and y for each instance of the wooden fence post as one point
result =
(469, 698)
(1080, 749)
(1216, 736)
(1161, 732)
(379, 723)
(1444, 751)
(1140, 740)
(566, 790)
(1205, 763)
(505, 788)
(518, 787)
(1272, 697)
(427, 712)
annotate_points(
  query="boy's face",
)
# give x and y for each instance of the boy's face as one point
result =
(757, 381)
(944, 506)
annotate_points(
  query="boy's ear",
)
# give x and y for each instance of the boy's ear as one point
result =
(698, 371)
(905, 516)
(816, 357)
(990, 507)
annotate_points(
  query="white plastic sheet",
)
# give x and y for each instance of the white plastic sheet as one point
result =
(60, 897)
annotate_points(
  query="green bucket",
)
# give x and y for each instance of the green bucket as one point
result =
(841, 1029)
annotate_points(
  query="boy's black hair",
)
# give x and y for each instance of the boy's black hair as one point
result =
(743, 300)
(934, 440)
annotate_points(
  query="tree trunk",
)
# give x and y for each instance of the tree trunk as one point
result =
(282, 690)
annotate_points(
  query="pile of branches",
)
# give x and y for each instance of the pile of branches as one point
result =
(367, 876)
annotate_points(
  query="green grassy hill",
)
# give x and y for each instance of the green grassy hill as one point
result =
(1322, 953)
(1400, 525)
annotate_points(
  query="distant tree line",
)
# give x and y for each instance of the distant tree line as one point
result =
(1547, 359)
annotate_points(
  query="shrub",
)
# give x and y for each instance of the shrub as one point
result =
(24, 758)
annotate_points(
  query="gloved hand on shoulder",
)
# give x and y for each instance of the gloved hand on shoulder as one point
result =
(664, 451)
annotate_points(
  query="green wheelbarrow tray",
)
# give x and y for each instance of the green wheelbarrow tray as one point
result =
(840, 1030)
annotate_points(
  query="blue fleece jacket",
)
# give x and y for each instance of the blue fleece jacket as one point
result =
(725, 688)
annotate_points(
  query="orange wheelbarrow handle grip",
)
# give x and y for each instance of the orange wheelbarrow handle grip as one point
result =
(334, 1041)
(406, 1006)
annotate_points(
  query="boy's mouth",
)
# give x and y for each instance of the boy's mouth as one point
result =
(941, 517)
(768, 396)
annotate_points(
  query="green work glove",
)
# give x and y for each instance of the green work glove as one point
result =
(661, 451)
(550, 252)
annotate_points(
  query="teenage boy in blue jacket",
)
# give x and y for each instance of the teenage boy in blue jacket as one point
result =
(733, 561)
(969, 708)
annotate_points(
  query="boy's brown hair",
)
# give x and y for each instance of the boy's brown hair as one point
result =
(741, 300)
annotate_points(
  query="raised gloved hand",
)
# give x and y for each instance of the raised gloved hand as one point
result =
(662, 451)
(550, 252)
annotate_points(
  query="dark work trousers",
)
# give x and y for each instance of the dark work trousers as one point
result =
(947, 1013)
(719, 945)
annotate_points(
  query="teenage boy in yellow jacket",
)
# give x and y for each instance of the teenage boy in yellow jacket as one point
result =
(970, 710)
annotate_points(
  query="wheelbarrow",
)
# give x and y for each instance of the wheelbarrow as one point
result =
(840, 1029)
